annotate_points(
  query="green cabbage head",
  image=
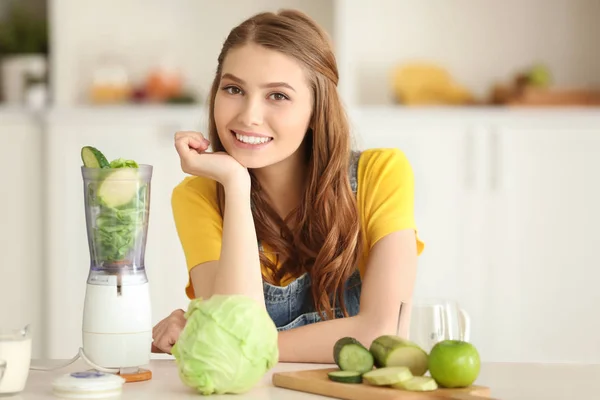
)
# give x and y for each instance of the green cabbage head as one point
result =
(227, 345)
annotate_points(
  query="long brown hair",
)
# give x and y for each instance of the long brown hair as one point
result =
(323, 237)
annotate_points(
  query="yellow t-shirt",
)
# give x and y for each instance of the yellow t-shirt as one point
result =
(385, 200)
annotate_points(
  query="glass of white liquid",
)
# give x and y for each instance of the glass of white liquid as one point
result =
(15, 359)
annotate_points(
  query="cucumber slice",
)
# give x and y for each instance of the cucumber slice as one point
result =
(387, 376)
(417, 384)
(345, 376)
(119, 187)
(393, 351)
(93, 158)
(350, 355)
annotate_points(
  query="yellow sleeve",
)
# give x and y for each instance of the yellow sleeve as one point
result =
(386, 194)
(198, 222)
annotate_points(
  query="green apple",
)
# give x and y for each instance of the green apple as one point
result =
(539, 75)
(454, 363)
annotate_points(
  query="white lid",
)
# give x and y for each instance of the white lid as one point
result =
(88, 384)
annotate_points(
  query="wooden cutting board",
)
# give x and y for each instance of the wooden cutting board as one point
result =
(316, 381)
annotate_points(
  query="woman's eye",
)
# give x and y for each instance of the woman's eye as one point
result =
(279, 96)
(232, 90)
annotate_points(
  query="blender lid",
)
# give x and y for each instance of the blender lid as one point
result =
(88, 385)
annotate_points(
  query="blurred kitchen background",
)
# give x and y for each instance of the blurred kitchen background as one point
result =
(496, 104)
(458, 52)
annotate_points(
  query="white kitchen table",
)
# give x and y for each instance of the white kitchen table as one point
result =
(507, 381)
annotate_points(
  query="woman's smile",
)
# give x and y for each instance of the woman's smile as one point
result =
(251, 140)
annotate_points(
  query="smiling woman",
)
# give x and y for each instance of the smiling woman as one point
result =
(262, 94)
(283, 211)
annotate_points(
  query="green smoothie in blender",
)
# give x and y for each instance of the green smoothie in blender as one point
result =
(116, 199)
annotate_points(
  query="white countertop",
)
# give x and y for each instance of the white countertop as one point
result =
(507, 382)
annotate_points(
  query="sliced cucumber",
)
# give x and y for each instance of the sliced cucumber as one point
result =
(93, 158)
(119, 187)
(393, 351)
(350, 355)
(387, 376)
(417, 384)
(345, 376)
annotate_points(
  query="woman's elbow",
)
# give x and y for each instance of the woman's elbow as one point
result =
(375, 326)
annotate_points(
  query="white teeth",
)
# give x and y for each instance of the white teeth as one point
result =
(252, 139)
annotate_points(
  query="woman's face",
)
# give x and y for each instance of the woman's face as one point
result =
(263, 106)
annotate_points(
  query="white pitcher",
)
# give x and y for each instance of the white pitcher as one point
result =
(434, 320)
(15, 359)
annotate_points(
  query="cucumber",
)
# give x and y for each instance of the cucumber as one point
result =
(393, 351)
(387, 376)
(417, 384)
(93, 158)
(345, 376)
(119, 187)
(350, 355)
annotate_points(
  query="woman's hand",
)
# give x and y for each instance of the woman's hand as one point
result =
(167, 331)
(195, 160)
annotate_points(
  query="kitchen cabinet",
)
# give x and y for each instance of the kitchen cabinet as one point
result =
(145, 138)
(21, 223)
(543, 256)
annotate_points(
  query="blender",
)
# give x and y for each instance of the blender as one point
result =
(117, 326)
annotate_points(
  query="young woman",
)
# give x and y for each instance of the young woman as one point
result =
(282, 210)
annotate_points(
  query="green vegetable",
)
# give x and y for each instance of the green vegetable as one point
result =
(93, 158)
(227, 345)
(119, 217)
(345, 376)
(393, 351)
(119, 188)
(350, 355)
(417, 384)
(387, 376)
(122, 163)
(117, 201)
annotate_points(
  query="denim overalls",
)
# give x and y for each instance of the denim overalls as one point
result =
(292, 306)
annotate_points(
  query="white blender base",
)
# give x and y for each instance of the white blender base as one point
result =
(118, 350)
(117, 327)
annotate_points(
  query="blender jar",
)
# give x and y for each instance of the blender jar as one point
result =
(117, 205)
